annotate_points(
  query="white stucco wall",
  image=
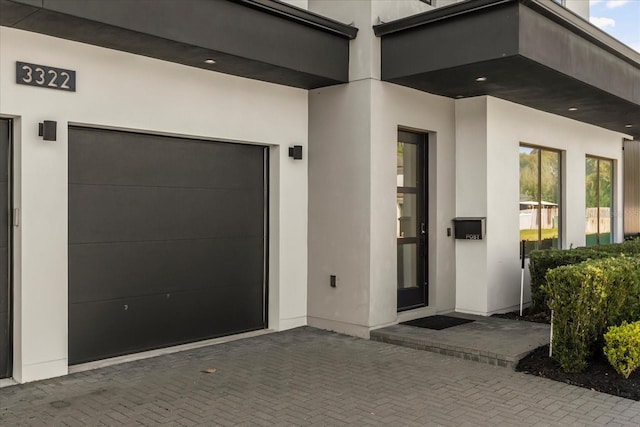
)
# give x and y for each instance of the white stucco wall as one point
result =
(125, 91)
(364, 53)
(303, 4)
(508, 125)
(352, 203)
(579, 7)
(352, 181)
(339, 216)
(364, 50)
(390, 10)
(471, 201)
(396, 106)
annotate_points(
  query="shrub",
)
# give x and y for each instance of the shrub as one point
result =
(541, 261)
(586, 298)
(622, 347)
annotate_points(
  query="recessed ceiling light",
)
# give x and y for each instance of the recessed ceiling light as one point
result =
(209, 61)
(573, 109)
(628, 126)
(481, 79)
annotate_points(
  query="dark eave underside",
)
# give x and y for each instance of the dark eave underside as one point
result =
(520, 80)
(258, 39)
(532, 53)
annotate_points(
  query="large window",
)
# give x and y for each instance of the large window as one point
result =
(599, 198)
(540, 201)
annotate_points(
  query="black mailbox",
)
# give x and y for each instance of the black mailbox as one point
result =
(468, 228)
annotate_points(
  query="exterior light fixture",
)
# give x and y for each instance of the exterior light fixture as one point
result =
(573, 109)
(47, 130)
(295, 152)
(481, 79)
(210, 61)
(628, 126)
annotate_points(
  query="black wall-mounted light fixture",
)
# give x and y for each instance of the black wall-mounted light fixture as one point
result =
(295, 152)
(47, 130)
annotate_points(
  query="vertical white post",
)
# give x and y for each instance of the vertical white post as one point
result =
(522, 276)
(521, 290)
(551, 336)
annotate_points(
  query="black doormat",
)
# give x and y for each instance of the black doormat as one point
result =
(437, 322)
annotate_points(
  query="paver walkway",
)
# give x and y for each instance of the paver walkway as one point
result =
(308, 377)
(487, 339)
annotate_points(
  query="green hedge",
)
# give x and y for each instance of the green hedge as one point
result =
(586, 298)
(541, 261)
(622, 347)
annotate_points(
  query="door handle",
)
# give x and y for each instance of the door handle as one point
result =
(422, 229)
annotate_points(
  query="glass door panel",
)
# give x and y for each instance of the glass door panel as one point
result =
(407, 268)
(599, 201)
(407, 215)
(411, 220)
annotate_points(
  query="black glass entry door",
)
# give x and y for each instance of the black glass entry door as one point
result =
(5, 290)
(412, 219)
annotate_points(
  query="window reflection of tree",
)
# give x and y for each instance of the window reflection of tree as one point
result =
(599, 199)
(540, 187)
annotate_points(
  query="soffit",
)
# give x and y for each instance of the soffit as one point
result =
(259, 39)
(530, 52)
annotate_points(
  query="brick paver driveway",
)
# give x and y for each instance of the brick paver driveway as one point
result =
(308, 377)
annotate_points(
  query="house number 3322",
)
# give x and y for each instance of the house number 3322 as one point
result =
(45, 76)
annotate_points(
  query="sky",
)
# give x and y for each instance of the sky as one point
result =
(620, 18)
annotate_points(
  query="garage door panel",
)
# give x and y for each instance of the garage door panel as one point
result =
(4, 149)
(4, 215)
(4, 275)
(4, 338)
(4, 298)
(167, 266)
(213, 311)
(166, 241)
(120, 158)
(5, 284)
(135, 213)
(154, 321)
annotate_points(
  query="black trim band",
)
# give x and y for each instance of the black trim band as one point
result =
(306, 17)
(549, 9)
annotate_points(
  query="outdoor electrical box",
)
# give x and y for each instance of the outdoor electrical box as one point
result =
(469, 228)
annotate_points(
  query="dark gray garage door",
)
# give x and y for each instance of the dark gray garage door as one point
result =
(167, 241)
(5, 292)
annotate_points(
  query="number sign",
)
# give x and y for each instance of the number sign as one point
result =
(44, 76)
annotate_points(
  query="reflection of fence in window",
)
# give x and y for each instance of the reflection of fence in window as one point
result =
(592, 220)
(548, 218)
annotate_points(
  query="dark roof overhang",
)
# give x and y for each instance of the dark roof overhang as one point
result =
(531, 52)
(260, 39)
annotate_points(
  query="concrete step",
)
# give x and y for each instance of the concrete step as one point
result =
(499, 342)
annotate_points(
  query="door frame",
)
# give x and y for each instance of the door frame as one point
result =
(10, 221)
(418, 296)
